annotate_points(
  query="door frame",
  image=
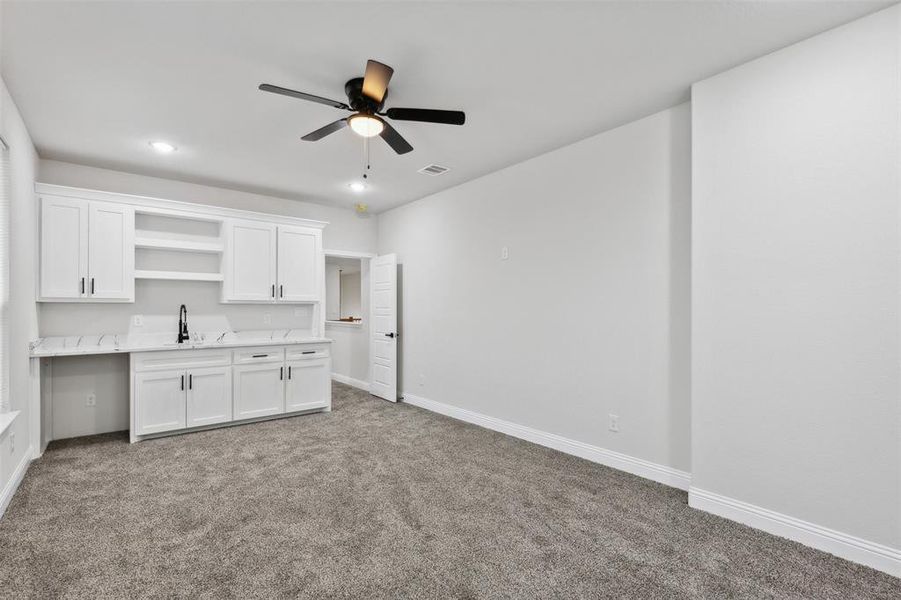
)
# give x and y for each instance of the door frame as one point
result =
(367, 256)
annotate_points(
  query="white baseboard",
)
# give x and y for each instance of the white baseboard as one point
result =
(357, 383)
(12, 485)
(877, 556)
(623, 462)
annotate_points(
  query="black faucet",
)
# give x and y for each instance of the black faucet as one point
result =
(183, 325)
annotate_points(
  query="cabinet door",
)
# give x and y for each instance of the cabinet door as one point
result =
(209, 396)
(64, 247)
(250, 272)
(111, 257)
(299, 263)
(259, 390)
(159, 401)
(309, 384)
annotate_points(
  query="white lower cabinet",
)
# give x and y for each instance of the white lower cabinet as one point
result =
(182, 389)
(209, 396)
(309, 384)
(259, 390)
(159, 401)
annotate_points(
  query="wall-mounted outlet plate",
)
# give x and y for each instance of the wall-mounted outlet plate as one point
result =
(139, 320)
(91, 400)
(505, 253)
(614, 423)
(267, 319)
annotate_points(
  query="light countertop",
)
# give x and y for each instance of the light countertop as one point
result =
(111, 343)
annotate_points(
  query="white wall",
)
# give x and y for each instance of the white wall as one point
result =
(23, 312)
(158, 301)
(350, 296)
(588, 316)
(796, 281)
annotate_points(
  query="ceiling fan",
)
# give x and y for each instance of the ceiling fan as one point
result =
(366, 96)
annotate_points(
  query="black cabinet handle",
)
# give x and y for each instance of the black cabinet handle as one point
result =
(289, 372)
(182, 383)
(82, 285)
(281, 291)
(259, 356)
(308, 352)
(191, 381)
(281, 373)
(92, 285)
(273, 290)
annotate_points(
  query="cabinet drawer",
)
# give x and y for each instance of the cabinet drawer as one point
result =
(259, 355)
(307, 352)
(180, 359)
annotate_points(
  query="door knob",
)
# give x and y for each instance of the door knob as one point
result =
(390, 335)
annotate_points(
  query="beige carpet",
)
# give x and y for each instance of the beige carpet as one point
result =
(376, 500)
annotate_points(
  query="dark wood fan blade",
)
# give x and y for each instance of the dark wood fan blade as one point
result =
(395, 140)
(375, 80)
(324, 131)
(266, 87)
(427, 115)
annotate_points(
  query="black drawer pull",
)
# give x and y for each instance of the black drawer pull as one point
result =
(259, 356)
(308, 352)
(182, 383)
(289, 371)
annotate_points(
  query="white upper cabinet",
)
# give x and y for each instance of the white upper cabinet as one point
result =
(251, 253)
(87, 251)
(299, 262)
(272, 263)
(64, 248)
(111, 251)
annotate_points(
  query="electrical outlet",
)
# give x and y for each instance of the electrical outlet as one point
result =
(139, 320)
(421, 380)
(614, 423)
(267, 319)
(505, 253)
(91, 400)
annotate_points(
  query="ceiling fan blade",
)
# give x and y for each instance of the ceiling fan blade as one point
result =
(324, 131)
(266, 87)
(427, 115)
(375, 81)
(395, 140)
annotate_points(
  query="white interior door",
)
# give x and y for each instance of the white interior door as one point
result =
(299, 260)
(383, 326)
(64, 247)
(112, 253)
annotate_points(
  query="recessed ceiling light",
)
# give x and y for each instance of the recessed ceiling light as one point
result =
(357, 186)
(162, 147)
(366, 125)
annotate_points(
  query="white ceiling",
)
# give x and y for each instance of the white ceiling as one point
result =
(95, 81)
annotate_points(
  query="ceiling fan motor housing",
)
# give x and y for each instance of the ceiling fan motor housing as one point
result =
(359, 101)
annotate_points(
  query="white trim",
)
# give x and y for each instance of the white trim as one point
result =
(9, 490)
(617, 460)
(871, 554)
(6, 419)
(353, 324)
(178, 208)
(348, 254)
(357, 383)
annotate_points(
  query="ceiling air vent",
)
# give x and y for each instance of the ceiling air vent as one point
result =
(434, 170)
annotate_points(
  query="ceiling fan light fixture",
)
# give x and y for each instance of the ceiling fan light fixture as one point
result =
(163, 147)
(366, 125)
(357, 186)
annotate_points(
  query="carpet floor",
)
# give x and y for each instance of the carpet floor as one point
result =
(376, 500)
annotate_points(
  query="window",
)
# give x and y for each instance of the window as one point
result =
(343, 290)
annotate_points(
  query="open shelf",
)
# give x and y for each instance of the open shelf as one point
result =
(178, 275)
(179, 245)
